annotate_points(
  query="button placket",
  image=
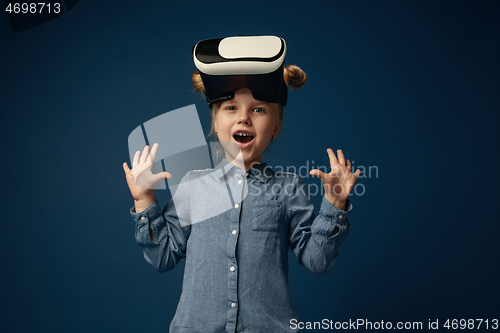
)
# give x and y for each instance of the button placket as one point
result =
(235, 186)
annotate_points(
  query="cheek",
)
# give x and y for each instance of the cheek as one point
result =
(271, 127)
(223, 126)
(218, 122)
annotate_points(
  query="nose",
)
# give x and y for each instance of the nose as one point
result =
(244, 117)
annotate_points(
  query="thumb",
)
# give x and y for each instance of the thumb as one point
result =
(318, 173)
(125, 167)
(162, 175)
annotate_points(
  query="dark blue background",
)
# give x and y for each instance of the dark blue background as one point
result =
(409, 87)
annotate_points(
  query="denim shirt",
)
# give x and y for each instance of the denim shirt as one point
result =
(236, 269)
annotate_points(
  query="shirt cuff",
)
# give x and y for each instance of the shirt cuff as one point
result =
(149, 214)
(332, 212)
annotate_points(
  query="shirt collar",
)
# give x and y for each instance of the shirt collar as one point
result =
(261, 171)
(223, 167)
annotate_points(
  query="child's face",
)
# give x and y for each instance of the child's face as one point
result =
(258, 121)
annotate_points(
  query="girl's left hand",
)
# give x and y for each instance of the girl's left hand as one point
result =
(340, 181)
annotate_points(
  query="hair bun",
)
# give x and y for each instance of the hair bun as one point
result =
(197, 82)
(294, 77)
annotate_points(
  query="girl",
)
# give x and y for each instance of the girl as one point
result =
(236, 269)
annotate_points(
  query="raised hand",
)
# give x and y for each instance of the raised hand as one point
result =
(140, 179)
(340, 181)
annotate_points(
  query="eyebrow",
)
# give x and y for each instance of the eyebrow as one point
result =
(253, 105)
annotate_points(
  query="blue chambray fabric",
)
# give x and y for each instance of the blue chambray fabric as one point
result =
(236, 258)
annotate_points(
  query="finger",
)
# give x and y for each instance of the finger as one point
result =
(348, 165)
(145, 154)
(333, 159)
(153, 152)
(356, 174)
(318, 173)
(136, 158)
(335, 171)
(341, 157)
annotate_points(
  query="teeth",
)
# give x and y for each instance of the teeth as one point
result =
(243, 134)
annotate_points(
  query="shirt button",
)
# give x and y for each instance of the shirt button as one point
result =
(143, 218)
(341, 217)
(234, 232)
(233, 305)
(236, 206)
(231, 268)
(239, 182)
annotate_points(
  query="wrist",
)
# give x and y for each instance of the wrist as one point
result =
(336, 201)
(142, 204)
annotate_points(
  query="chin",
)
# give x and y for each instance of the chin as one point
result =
(250, 158)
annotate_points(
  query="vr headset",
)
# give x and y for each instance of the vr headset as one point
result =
(226, 64)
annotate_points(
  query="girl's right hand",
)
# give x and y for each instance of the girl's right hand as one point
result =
(140, 179)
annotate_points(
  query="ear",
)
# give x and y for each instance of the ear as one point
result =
(215, 109)
(277, 128)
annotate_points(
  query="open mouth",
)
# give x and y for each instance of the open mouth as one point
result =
(243, 137)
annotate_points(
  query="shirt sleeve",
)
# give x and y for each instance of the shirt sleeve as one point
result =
(170, 233)
(310, 236)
